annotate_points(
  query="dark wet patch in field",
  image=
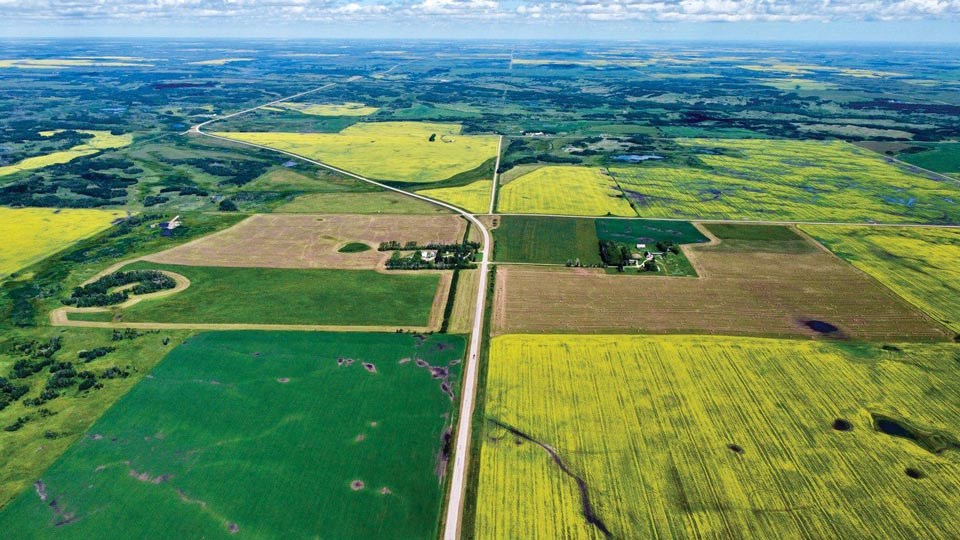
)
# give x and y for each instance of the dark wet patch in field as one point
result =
(820, 327)
(283, 380)
(233, 528)
(735, 448)
(356, 485)
(369, 367)
(931, 440)
(891, 348)
(916, 474)
(842, 425)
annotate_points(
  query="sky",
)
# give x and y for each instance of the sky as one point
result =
(779, 20)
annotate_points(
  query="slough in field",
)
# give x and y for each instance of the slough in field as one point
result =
(683, 437)
(792, 181)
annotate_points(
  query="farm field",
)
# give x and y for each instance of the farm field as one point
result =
(755, 292)
(52, 427)
(309, 241)
(940, 157)
(918, 264)
(557, 240)
(464, 301)
(225, 295)
(231, 422)
(327, 109)
(687, 436)
(473, 197)
(102, 140)
(564, 190)
(359, 203)
(789, 180)
(546, 240)
(31, 234)
(398, 151)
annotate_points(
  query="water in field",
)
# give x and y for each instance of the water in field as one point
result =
(821, 327)
(636, 158)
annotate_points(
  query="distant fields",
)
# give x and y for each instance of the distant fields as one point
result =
(685, 436)
(754, 290)
(222, 295)
(102, 140)
(564, 190)
(788, 180)
(328, 109)
(261, 435)
(473, 197)
(921, 265)
(31, 234)
(399, 151)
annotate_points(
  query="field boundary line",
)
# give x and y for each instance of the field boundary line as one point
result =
(496, 176)
(743, 221)
(454, 513)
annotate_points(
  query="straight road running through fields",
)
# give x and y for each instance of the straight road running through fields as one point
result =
(468, 388)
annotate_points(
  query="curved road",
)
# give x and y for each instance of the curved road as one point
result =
(469, 386)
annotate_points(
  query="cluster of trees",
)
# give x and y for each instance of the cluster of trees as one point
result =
(449, 256)
(98, 293)
(96, 352)
(233, 171)
(82, 183)
(614, 254)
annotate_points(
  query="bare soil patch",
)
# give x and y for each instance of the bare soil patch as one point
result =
(739, 292)
(311, 241)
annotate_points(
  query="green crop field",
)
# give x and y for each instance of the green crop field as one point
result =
(788, 180)
(940, 157)
(400, 151)
(546, 240)
(683, 436)
(223, 295)
(230, 424)
(918, 264)
(648, 230)
(575, 191)
(768, 238)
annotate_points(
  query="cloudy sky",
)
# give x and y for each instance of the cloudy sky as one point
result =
(867, 20)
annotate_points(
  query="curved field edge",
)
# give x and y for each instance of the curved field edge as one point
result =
(371, 408)
(32, 234)
(679, 436)
(102, 140)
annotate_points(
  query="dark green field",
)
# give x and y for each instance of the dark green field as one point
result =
(772, 238)
(632, 231)
(284, 296)
(546, 240)
(261, 434)
(940, 157)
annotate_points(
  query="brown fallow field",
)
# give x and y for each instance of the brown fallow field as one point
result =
(742, 290)
(311, 241)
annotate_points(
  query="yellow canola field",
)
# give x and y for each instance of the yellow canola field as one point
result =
(102, 140)
(715, 437)
(329, 109)
(789, 180)
(32, 234)
(921, 265)
(473, 197)
(566, 190)
(400, 151)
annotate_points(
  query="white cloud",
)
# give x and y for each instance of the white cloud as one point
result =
(569, 10)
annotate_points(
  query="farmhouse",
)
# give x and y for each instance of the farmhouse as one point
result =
(428, 255)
